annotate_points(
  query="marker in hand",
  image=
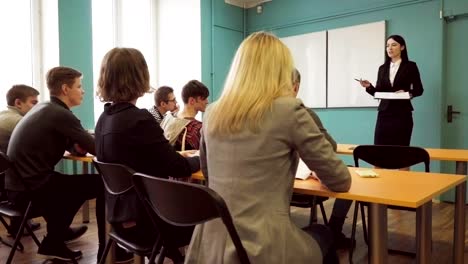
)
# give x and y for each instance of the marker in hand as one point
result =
(358, 80)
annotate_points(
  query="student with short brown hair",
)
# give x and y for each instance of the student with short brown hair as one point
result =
(128, 135)
(36, 146)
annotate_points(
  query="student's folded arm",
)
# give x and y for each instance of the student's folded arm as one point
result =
(72, 128)
(317, 152)
(161, 152)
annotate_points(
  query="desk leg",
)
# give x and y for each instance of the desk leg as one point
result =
(85, 208)
(461, 167)
(459, 224)
(424, 233)
(378, 234)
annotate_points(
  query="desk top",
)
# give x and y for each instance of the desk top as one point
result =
(391, 187)
(87, 158)
(434, 154)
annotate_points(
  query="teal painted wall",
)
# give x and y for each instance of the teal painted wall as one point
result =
(75, 37)
(222, 32)
(418, 21)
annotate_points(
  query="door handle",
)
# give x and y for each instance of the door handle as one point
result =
(450, 113)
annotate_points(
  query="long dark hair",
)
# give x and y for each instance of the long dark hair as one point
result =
(402, 42)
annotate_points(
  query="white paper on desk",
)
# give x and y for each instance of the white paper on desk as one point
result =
(367, 173)
(387, 95)
(303, 172)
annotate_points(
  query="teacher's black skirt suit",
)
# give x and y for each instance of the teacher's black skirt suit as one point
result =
(395, 119)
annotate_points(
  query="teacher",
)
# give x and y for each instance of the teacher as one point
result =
(395, 120)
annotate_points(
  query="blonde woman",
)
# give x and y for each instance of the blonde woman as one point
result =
(252, 139)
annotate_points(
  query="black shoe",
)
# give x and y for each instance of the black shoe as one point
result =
(57, 250)
(75, 232)
(15, 224)
(122, 256)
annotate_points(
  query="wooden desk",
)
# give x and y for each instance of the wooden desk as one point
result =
(402, 188)
(460, 156)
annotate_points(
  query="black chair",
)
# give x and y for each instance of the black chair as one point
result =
(117, 180)
(310, 201)
(10, 211)
(386, 157)
(190, 204)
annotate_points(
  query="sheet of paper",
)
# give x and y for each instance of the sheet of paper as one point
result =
(367, 173)
(386, 95)
(303, 172)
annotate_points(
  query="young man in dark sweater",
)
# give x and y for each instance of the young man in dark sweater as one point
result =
(36, 146)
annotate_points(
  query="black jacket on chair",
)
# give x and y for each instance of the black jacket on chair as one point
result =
(407, 78)
(130, 136)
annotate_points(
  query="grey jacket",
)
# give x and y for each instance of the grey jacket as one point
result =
(8, 120)
(254, 173)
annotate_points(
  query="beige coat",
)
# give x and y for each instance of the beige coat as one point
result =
(254, 173)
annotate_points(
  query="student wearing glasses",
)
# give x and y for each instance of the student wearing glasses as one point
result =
(164, 101)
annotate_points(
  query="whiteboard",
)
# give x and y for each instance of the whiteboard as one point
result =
(354, 52)
(309, 52)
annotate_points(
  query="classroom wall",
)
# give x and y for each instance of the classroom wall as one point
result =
(410, 19)
(223, 28)
(75, 42)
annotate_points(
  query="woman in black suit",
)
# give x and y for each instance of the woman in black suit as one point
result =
(395, 120)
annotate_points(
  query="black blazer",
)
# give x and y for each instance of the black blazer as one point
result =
(407, 78)
(131, 136)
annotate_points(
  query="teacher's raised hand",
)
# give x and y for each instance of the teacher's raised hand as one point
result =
(365, 83)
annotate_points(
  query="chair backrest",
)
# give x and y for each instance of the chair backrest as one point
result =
(391, 157)
(186, 204)
(117, 178)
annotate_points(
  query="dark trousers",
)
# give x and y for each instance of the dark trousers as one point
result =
(59, 200)
(324, 237)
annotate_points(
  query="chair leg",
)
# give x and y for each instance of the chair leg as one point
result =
(353, 232)
(364, 225)
(109, 244)
(156, 248)
(313, 211)
(162, 255)
(19, 234)
(31, 233)
(324, 214)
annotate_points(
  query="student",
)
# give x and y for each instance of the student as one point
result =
(395, 119)
(37, 144)
(340, 207)
(186, 129)
(252, 139)
(164, 101)
(20, 99)
(128, 135)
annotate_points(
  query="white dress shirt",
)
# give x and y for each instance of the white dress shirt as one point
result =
(394, 66)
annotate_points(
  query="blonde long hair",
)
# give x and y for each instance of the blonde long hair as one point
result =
(260, 72)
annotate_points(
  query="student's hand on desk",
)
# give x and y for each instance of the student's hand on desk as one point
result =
(189, 153)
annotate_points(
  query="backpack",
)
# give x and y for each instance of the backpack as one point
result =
(173, 127)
